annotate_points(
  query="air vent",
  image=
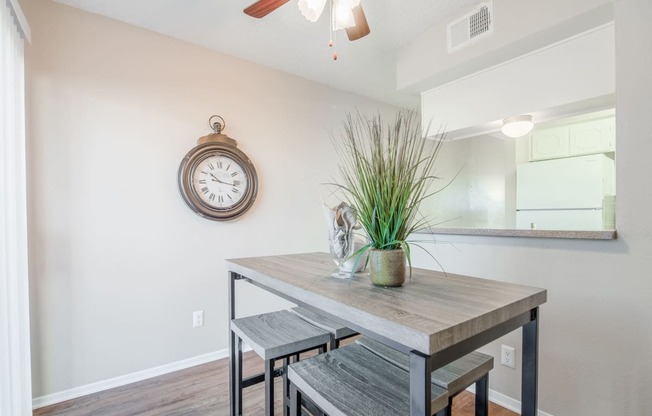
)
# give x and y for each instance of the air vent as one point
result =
(471, 27)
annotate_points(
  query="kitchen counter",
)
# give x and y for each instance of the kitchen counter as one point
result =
(504, 232)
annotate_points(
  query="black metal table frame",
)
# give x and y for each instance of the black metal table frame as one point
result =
(421, 365)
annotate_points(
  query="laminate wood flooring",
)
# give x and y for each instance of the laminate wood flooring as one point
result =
(198, 391)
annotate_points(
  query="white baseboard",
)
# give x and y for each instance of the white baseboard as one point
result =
(507, 402)
(80, 391)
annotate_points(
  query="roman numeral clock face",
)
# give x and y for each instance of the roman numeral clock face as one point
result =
(218, 181)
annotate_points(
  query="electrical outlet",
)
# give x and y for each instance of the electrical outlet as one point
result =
(508, 356)
(197, 319)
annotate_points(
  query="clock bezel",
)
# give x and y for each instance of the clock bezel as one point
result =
(189, 194)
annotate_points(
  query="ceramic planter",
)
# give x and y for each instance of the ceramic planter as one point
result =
(387, 267)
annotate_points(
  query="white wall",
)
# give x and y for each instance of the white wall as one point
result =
(118, 263)
(576, 70)
(596, 332)
(520, 26)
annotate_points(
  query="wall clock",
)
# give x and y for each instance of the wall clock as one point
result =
(216, 179)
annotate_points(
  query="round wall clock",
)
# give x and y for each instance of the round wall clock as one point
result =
(216, 179)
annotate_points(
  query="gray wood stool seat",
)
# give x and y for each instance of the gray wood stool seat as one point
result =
(454, 377)
(338, 332)
(353, 381)
(273, 336)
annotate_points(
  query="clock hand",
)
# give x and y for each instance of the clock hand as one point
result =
(225, 183)
(217, 180)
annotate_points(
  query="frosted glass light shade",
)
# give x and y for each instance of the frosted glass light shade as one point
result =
(517, 126)
(311, 9)
(343, 13)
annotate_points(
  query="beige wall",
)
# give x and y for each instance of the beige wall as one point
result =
(596, 332)
(118, 263)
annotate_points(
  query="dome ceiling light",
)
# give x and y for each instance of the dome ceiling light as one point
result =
(517, 126)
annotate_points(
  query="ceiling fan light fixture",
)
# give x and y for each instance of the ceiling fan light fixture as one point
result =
(311, 9)
(517, 126)
(343, 13)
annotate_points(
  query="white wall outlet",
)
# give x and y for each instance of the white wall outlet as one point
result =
(508, 356)
(197, 319)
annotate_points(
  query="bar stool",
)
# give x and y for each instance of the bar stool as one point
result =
(273, 336)
(353, 381)
(454, 377)
(338, 332)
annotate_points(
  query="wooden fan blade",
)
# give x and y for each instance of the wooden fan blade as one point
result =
(361, 28)
(262, 8)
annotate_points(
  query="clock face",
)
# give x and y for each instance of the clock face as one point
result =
(219, 181)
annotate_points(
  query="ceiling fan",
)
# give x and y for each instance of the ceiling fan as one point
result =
(346, 14)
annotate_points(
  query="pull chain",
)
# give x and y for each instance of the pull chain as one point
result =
(331, 42)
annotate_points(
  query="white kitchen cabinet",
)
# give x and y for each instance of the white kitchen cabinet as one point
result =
(549, 143)
(597, 136)
(585, 138)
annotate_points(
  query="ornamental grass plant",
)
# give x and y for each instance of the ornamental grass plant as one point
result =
(386, 172)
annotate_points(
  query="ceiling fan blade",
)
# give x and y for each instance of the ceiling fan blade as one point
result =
(262, 8)
(361, 28)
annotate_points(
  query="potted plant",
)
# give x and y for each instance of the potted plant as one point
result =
(385, 173)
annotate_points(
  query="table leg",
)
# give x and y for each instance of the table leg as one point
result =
(238, 387)
(269, 387)
(530, 364)
(233, 368)
(295, 401)
(420, 393)
(286, 387)
(482, 396)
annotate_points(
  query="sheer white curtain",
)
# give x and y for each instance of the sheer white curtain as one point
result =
(15, 377)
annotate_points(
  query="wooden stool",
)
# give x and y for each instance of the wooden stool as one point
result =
(273, 336)
(338, 332)
(353, 381)
(454, 377)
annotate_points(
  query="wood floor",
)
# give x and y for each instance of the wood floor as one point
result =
(198, 391)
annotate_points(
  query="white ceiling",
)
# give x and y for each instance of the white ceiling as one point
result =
(285, 40)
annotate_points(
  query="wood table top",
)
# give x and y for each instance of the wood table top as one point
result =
(430, 312)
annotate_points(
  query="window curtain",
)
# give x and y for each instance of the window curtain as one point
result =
(15, 369)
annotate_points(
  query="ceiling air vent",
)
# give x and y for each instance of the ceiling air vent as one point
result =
(471, 27)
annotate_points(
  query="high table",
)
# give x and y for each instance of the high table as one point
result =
(434, 317)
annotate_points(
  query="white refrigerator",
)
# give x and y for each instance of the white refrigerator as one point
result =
(574, 193)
